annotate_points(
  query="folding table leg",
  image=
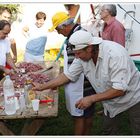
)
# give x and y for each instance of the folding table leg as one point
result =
(31, 128)
(4, 130)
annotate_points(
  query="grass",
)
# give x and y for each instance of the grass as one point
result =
(62, 125)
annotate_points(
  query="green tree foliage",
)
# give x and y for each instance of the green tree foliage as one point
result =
(15, 9)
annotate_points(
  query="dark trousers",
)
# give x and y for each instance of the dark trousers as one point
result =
(110, 125)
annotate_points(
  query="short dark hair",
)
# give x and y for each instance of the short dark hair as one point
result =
(40, 15)
(68, 6)
(3, 23)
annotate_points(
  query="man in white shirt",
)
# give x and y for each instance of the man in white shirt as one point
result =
(111, 72)
(5, 56)
(6, 14)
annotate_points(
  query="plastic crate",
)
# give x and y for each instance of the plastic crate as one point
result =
(137, 63)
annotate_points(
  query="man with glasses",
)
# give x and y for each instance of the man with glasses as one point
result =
(5, 56)
(6, 14)
(113, 30)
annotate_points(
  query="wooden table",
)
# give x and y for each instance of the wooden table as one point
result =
(38, 118)
(45, 111)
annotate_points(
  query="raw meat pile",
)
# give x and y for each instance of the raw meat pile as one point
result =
(20, 79)
(39, 78)
(29, 67)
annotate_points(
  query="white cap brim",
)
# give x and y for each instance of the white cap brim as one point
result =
(81, 39)
(95, 41)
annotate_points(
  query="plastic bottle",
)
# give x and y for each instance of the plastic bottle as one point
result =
(9, 96)
(22, 103)
(27, 87)
(27, 100)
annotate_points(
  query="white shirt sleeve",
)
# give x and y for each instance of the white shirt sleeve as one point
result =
(120, 72)
(74, 70)
(8, 45)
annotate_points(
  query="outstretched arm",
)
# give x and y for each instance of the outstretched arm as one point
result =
(14, 50)
(58, 81)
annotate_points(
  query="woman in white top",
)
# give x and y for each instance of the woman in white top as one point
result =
(37, 38)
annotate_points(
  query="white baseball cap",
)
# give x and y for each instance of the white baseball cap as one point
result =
(81, 39)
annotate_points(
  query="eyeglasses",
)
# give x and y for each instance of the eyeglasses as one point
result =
(59, 28)
(104, 10)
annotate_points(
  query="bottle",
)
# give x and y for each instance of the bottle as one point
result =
(51, 98)
(17, 103)
(28, 91)
(22, 102)
(27, 103)
(9, 96)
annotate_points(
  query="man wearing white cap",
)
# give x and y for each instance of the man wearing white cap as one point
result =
(83, 119)
(113, 75)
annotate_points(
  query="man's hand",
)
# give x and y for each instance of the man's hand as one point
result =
(84, 102)
(37, 86)
(106, 95)
(8, 71)
(16, 70)
(11, 71)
